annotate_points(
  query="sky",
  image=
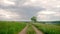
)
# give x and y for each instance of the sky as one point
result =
(23, 10)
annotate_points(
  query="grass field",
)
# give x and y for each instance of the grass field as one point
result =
(48, 28)
(57, 24)
(11, 27)
(14, 27)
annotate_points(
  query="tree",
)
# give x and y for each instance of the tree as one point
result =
(34, 19)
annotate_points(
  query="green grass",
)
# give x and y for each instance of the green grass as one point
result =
(48, 28)
(11, 27)
(57, 24)
(30, 30)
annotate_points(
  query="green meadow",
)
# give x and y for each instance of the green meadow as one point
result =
(11, 27)
(48, 28)
(14, 27)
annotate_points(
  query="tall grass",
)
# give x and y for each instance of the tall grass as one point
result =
(57, 24)
(8, 27)
(48, 28)
(30, 30)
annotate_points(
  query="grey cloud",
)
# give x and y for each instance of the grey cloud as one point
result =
(26, 11)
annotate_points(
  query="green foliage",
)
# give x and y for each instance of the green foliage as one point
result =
(48, 28)
(11, 27)
(34, 19)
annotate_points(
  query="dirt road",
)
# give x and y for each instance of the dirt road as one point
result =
(36, 30)
(24, 30)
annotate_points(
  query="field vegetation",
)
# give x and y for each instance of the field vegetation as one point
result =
(30, 30)
(48, 28)
(11, 27)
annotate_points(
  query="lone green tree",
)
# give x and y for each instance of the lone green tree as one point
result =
(34, 19)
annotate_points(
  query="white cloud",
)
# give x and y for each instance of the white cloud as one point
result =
(48, 4)
(8, 15)
(48, 15)
(7, 2)
(47, 12)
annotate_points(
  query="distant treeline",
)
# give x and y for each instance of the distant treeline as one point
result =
(49, 22)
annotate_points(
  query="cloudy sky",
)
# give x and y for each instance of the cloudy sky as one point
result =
(20, 10)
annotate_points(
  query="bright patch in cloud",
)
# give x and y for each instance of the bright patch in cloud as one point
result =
(8, 2)
(47, 12)
(33, 0)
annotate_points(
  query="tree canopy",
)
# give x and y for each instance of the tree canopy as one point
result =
(34, 19)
